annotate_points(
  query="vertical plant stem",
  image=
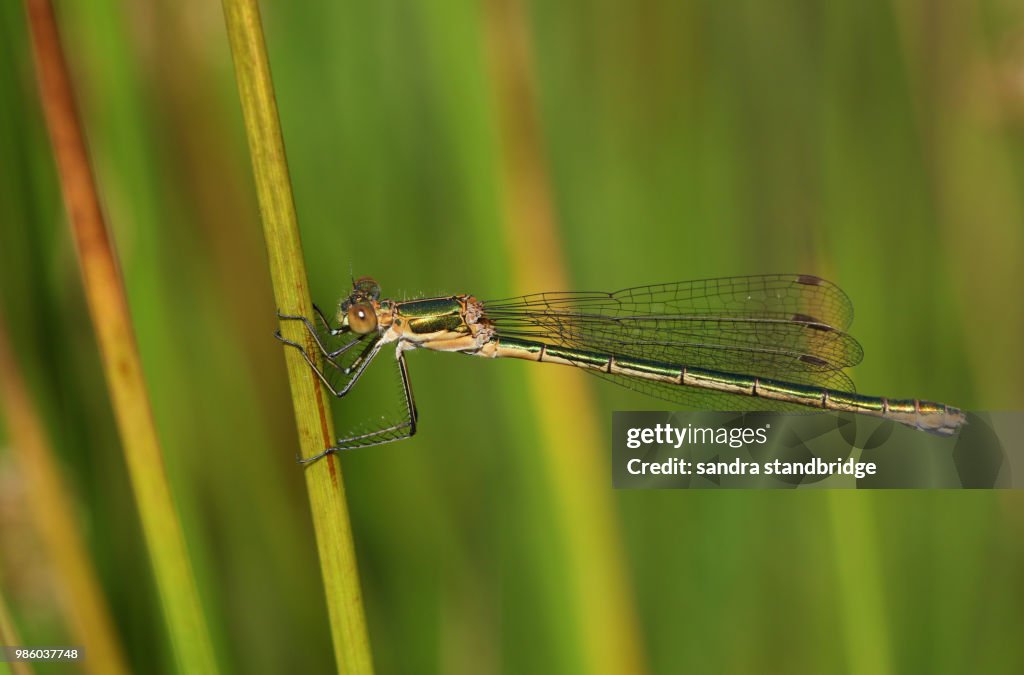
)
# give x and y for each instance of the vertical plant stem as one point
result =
(599, 589)
(108, 307)
(83, 603)
(291, 292)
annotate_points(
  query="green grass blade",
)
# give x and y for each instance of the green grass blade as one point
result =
(108, 307)
(291, 292)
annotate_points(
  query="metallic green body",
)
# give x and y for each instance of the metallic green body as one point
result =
(431, 315)
(856, 401)
(526, 348)
(583, 358)
(806, 395)
(629, 365)
(800, 394)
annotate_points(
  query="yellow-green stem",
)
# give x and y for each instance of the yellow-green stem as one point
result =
(108, 307)
(291, 292)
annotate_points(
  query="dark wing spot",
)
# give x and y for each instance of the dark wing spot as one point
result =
(811, 322)
(814, 360)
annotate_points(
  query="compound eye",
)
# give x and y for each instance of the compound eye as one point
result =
(362, 319)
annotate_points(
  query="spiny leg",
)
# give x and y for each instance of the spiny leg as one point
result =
(320, 314)
(380, 436)
(410, 400)
(329, 357)
(388, 434)
(316, 336)
(357, 364)
(363, 360)
(326, 323)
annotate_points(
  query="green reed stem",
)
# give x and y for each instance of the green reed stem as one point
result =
(291, 292)
(108, 307)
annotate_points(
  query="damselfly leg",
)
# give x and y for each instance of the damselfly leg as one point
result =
(395, 432)
(331, 355)
(346, 375)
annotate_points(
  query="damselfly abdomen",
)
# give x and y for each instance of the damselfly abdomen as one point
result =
(768, 342)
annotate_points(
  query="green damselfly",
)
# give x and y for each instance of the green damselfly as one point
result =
(767, 342)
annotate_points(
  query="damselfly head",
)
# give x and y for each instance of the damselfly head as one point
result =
(359, 310)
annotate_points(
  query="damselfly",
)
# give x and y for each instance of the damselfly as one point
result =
(769, 342)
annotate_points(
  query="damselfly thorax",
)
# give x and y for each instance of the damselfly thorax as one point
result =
(774, 342)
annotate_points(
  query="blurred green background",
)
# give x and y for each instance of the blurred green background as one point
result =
(878, 144)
